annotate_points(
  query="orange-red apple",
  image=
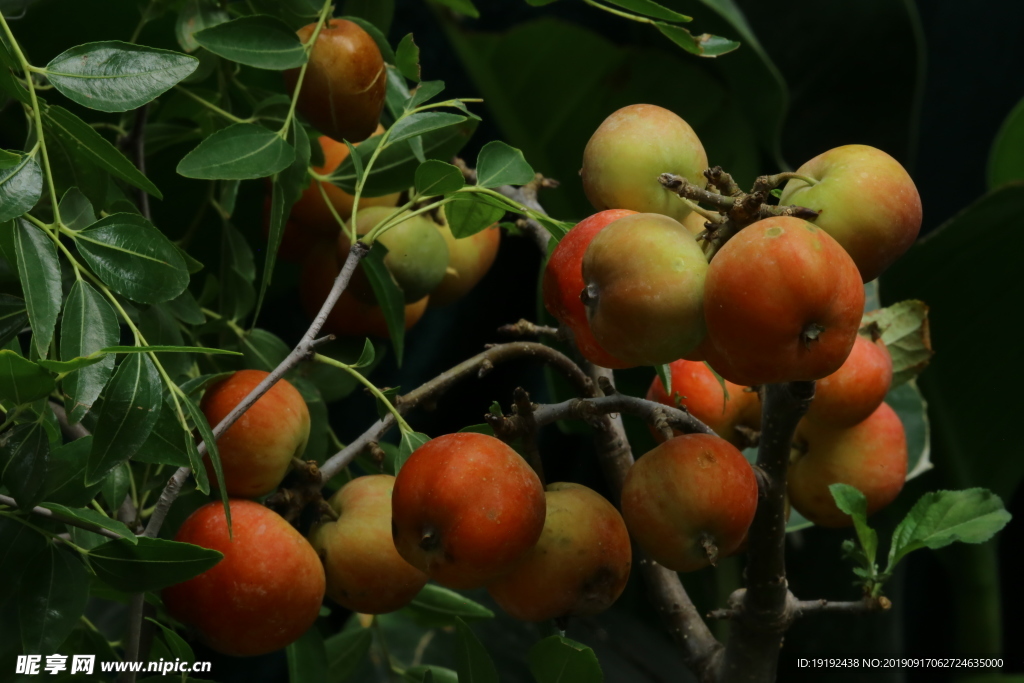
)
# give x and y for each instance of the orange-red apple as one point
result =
(854, 391)
(702, 395)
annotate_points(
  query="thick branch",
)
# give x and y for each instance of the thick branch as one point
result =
(303, 350)
(797, 609)
(44, 512)
(71, 432)
(763, 614)
(684, 624)
(478, 365)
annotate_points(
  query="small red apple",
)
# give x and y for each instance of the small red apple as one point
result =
(853, 392)
(465, 509)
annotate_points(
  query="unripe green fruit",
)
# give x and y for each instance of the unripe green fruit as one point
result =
(643, 281)
(628, 152)
(417, 254)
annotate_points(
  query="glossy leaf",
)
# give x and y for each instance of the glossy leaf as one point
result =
(704, 45)
(19, 543)
(474, 665)
(186, 309)
(407, 58)
(157, 348)
(116, 486)
(423, 122)
(241, 151)
(76, 210)
(21, 380)
(51, 599)
(83, 140)
(1005, 162)
(92, 517)
(212, 452)
(388, 294)
(437, 607)
(346, 651)
(407, 446)
(852, 502)
(556, 659)
(259, 41)
(471, 213)
(65, 474)
(39, 272)
(396, 166)
(25, 449)
(115, 76)
(176, 644)
(650, 8)
(366, 356)
(426, 91)
(21, 184)
(263, 350)
(133, 258)
(195, 16)
(131, 406)
(501, 164)
(89, 324)
(435, 177)
(13, 317)
(195, 462)
(940, 518)
(307, 659)
(152, 564)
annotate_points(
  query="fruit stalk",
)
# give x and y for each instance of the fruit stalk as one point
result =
(762, 611)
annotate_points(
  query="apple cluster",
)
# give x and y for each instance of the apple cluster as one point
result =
(640, 283)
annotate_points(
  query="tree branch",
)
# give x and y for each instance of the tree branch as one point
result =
(71, 432)
(797, 609)
(762, 610)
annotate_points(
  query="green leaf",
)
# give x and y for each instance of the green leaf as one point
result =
(89, 324)
(116, 486)
(367, 356)
(115, 76)
(427, 673)
(259, 41)
(133, 258)
(21, 184)
(435, 177)
(186, 309)
(474, 665)
(195, 462)
(21, 380)
(72, 168)
(176, 644)
(470, 213)
(463, 6)
(26, 451)
(940, 518)
(664, 373)
(557, 659)
(156, 348)
(212, 452)
(263, 350)
(408, 445)
(435, 606)
(704, 45)
(131, 407)
(396, 165)
(195, 16)
(7, 82)
(397, 95)
(852, 502)
(423, 122)
(51, 599)
(903, 327)
(19, 543)
(13, 317)
(345, 652)
(501, 164)
(1004, 160)
(238, 272)
(39, 272)
(650, 8)
(83, 141)
(92, 517)
(76, 210)
(424, 93)
(307, 659)
(241, 151)
(407, 58)
(152, 564)
(388, 295)
(65, 474)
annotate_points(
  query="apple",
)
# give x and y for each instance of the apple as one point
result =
(701, 394)
(580, 565)
(870, 456)
(465, 509)
(364, 571)
(854, 391)
(783, 302)
(351, 316)
(469, 259)
(630, 149)
(868, 203)
(257, 450)
(563, 282)
(417, 253)
(643, 281)
(345, 83)
(264, 594)
(690, 501)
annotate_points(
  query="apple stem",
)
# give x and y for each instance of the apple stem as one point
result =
(770, 182)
